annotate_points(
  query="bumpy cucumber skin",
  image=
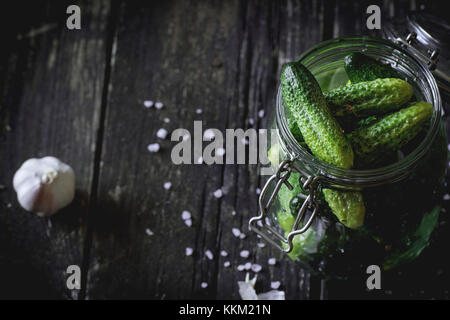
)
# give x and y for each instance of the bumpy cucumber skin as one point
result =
(323, 135)
(321, 132)
(373, 143)
(360, 68)
(368, 98)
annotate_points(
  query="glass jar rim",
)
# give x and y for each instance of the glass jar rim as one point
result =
(357, 177)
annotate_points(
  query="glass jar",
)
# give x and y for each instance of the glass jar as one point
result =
(402, 199)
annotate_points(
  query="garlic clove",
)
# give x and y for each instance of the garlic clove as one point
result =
(44, 185)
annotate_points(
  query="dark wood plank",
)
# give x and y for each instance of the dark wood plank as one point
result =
(223, 57)
(51, 80)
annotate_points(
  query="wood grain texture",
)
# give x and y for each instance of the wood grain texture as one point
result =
(223, 58)
(51, 84)
(79, 95)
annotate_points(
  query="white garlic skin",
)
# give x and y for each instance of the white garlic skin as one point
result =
(44, 185)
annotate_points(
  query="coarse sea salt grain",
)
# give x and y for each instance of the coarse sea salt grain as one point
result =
(166, 120)
(258, 190)
(204, 285)
(148, 103)
(220, 152)
(209, 254)
(251, 121)
(241, 267)
(149, 232)
(242, 236)
(189, 251)
(153, 147)
(261, 113)
(159, 105)
(167, 185)
(188, 222)
(233, 213)
(248, 266)
(226, 264)
(209, 134)
(198, 111)
(256, 267)
(272, 261)
(218, 193)
(185, 215)
(236, 232)
(261, 245)
(275, 284)
(162, 133)
(223, 253)
(446, 196)
(200, 160)
(244, 253)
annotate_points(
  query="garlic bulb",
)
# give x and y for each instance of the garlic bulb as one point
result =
(44, 185)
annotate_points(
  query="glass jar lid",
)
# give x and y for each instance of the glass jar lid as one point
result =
(428, 38)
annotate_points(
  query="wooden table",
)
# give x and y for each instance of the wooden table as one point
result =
(78, 95)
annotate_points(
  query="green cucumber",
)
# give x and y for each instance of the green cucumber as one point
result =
(320, 130)
(368, 98)
(322, 133)
(379, 140)
(360, 68)
(348, 206)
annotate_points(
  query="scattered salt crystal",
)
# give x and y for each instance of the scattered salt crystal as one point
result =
(447, 196)
(159, 105)
(226, 264)
(448, 147)
(261, 244)
(261, 113)
(275, 284)
(251, 121)
(149, 232)
(204, 285)
(209, 254)
(148, 103)
(209, 134)
(166, 120)
(198, 111)
(248, 266)
(200, 160)
(223, 253)
(258, 190)
(188, 222)
(242, 236)
(241, 267)
(167, 185)
(162, 133)
(272, 261)
(236, 232)
(185, 215)
(233, 213)
(187, 136)
(153, 147)
(244, 253)
(245, 141)
(218, 193)
(220, 152)
(259, 223)
(256, 268)
(189, 251)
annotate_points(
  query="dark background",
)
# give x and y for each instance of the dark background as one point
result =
(78, 95)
